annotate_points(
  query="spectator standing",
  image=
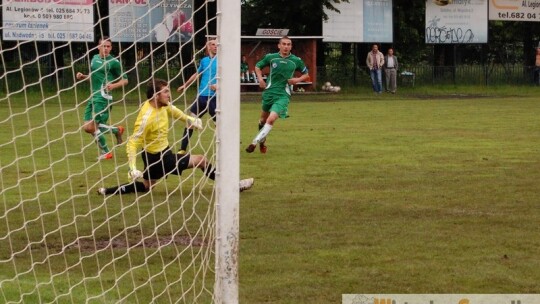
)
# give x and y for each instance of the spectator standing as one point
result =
(390, 71)
(375, 63)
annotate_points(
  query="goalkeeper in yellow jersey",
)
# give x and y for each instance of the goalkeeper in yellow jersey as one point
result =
(151, 134)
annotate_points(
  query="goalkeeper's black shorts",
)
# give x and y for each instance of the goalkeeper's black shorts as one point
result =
(158, 165)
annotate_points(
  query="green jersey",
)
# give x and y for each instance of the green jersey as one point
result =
(243, 67)
(281, 70)
(104, 70)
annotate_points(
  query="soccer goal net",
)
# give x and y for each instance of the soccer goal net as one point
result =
(61, 241)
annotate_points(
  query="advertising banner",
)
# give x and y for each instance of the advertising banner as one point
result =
(150, 20)
(440, 299)
(378, 21)
(48, 20)
(456, 21)
(360, 21)
(514, 10)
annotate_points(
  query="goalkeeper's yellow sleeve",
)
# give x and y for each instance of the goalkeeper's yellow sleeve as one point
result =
(179, 114)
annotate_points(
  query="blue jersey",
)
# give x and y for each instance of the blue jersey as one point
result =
(208, 70)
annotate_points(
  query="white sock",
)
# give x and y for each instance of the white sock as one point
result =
(262, 134)
(109, 128)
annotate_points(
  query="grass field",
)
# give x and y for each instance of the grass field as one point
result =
(393, 195)
(427, 191)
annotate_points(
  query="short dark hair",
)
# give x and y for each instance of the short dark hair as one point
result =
(103, 38)
(285, 37)
(155, 85)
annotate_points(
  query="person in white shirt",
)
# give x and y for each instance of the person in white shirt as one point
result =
(390, 71)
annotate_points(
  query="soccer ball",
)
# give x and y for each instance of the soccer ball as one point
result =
(326, 86)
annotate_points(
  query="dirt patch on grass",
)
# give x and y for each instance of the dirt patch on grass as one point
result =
(135, 240)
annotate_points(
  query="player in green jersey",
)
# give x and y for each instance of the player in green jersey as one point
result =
(277, 88)
(105, 75)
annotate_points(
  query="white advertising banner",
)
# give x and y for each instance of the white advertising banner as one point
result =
(360, 21)
(48, 20)
(456, 21)
(346, 26)
(150, 20)
(440, 299)
(514, 10)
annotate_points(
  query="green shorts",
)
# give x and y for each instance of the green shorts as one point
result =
(276, 103)
(97, 110)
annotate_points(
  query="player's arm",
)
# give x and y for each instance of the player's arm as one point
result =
(202, 66)
(117, 72)
(115, 85)
(135, 142)
(305, 74)
(260, 79)
(296, 80)
(188, 82)
(176, 113)
(258, 71)
(81, 76)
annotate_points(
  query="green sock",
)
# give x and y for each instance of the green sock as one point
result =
(101, 141)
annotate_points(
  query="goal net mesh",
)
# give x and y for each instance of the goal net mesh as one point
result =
(61, 242)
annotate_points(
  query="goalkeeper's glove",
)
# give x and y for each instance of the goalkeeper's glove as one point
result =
(194, 122)
(134, 174)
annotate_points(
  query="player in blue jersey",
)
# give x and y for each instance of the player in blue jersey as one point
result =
(206, 95)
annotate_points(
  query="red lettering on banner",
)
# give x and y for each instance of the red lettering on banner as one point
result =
(139, 2)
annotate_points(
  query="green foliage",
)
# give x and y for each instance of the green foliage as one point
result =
(300, 17)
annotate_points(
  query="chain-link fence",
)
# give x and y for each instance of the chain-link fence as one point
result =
(425, 75)
(34, 76)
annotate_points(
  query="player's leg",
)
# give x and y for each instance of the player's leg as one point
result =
(132, 187)
(185, 140)
(92, 128)
(197, 161)
(155, 169)
(200, 161)
(267, 102)
(278, 109)
(212, 107)
(262, 144)
(197, 109)
(117, 131)
(104, 127)
(267, 127)
(262, 123)
(100, 116)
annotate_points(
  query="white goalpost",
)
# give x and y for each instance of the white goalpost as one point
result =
(228, 140)
(61, 241)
